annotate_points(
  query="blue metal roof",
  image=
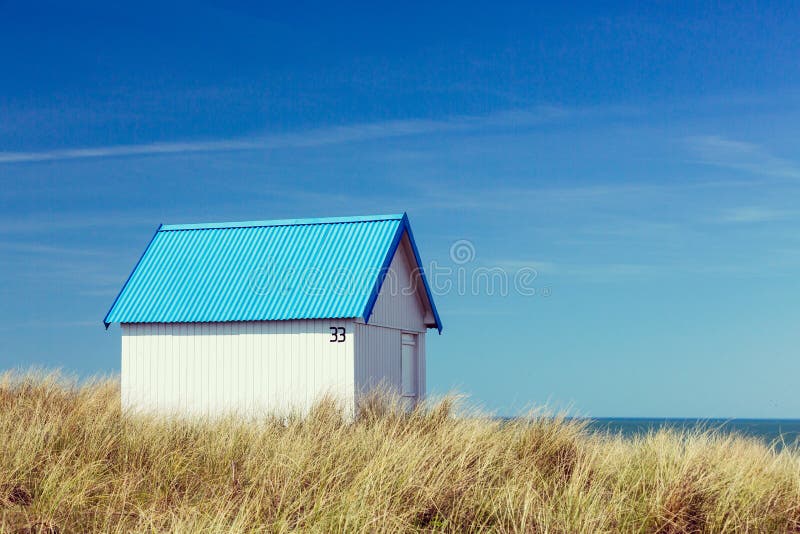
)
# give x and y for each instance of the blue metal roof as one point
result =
(263, 271)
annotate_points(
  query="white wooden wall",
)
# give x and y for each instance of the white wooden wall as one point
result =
(377, 357)
(396, 307)
(423, 385)
(253, 368)
(247, 368)
(378, 345)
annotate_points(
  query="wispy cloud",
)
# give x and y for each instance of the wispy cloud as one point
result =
(547, 198)
(127, 150)
(45, 249)
(59, 223)
(51, 323)
(742, 156)
(752, 214)
(644, 271)
(332, 135)
(512, 265)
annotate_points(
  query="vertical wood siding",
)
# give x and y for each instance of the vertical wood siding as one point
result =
(377, 358)
(421, 369)
(378, 349)
(249, 368)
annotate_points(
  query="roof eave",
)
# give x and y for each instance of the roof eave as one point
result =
(106, 322)
(403, 227)
(425, 284)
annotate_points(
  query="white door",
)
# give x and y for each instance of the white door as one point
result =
(409, 370)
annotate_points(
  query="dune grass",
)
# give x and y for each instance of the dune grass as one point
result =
(71, 462)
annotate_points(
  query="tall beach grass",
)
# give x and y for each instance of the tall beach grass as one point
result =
(70, 461)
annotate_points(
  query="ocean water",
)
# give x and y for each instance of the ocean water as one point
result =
(772, 431)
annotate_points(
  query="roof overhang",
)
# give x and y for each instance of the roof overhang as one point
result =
(432, 319)
(165, 248)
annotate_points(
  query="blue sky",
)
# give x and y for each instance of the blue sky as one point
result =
(642, 158)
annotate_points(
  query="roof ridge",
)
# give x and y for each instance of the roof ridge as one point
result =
(281, 222)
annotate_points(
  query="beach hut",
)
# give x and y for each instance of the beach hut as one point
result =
(268, 316)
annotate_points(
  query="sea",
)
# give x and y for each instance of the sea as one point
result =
(780, 432)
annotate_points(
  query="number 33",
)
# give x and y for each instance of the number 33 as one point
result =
(337, 334)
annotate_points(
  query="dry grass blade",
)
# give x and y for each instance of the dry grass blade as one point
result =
(70, 461)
